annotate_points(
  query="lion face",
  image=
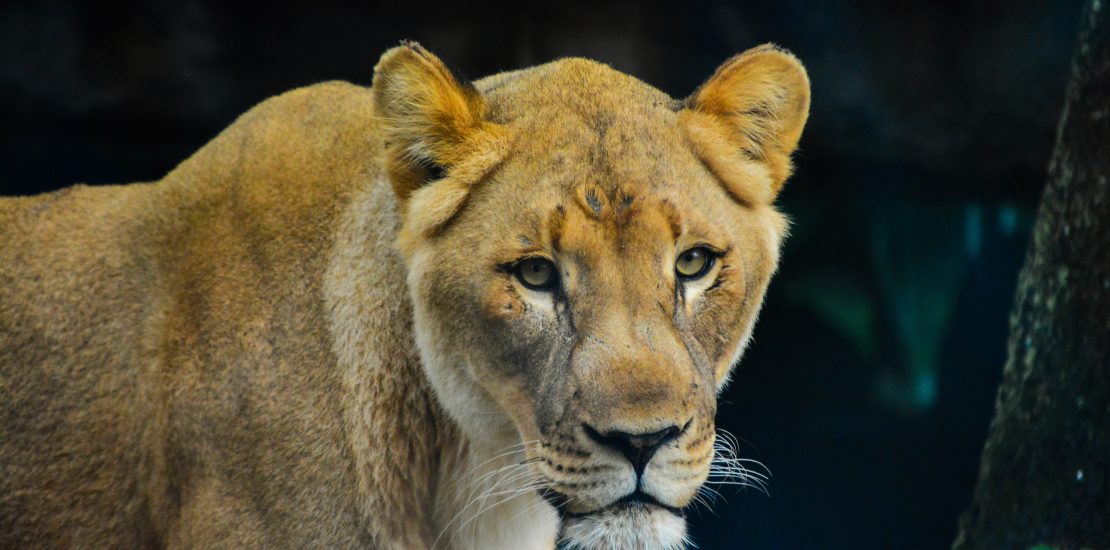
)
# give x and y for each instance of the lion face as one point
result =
(586, 260)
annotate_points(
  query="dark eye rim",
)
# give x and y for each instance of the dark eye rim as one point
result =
(711, 257)
(550, 285)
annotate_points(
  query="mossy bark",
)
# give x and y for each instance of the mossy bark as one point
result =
(1045, 472)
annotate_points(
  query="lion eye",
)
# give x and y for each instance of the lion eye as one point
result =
(536, 273)
(694, 263)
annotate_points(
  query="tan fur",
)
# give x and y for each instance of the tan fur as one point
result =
(298, 338)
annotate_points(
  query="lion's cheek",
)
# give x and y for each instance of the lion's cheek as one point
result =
(517, 328)
(500, 302)
(510, 335)
(720, 327)
(520, 406)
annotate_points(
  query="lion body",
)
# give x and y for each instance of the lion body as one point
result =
(255, 351)
(166, 367)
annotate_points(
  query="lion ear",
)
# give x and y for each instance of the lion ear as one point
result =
(753, 108)
(432, 124)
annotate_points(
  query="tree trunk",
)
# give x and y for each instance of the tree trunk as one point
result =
(1044, 478)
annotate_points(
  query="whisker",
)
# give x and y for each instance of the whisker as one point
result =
(521, 473)
(512, 494)
(509, 473)
(487, 475)
(726, 468)
(532, 507)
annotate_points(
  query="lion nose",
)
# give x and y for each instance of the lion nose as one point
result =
(638, 448)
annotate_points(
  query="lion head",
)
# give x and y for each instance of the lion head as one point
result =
(586, 258)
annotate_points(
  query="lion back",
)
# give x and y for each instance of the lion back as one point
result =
(76, 277)
(114, 299)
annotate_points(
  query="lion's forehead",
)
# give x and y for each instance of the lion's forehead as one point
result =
(573, 85)
(631, 164)
(583, 113)
(605, 149)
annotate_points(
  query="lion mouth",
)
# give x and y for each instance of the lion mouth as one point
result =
(636, 520)
(640, 499)
(636, 500)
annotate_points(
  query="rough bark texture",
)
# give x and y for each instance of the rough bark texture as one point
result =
(1045, 471)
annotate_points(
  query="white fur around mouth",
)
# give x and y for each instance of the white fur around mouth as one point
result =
(634, 525)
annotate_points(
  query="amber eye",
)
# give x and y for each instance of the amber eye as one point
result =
(694, 263)
(536, 273)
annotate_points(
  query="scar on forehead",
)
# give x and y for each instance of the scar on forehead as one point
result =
(555, 221)
(620, 205)
(614, 209)
(600, 205)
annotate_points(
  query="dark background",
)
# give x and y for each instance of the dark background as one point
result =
(870, 383)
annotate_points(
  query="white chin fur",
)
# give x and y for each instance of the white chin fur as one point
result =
(638, 527)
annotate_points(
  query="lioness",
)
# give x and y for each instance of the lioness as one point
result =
(427, 314)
